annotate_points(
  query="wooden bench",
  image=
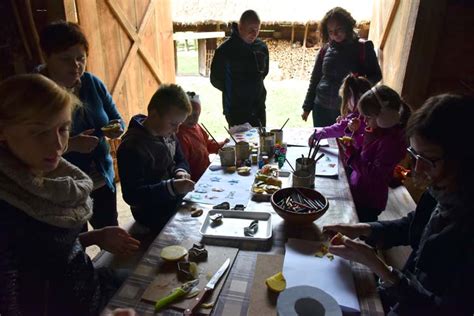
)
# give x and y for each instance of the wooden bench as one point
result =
(399, 204)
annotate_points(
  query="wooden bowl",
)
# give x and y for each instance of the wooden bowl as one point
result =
(294, 217)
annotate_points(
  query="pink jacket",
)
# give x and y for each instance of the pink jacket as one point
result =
(373, 164)
(340, 129)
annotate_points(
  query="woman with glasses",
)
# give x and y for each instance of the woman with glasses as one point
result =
(438, 276)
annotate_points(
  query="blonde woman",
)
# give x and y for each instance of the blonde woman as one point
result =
(44, 204)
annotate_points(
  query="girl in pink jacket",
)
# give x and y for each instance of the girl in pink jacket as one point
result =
(352, 88)
(384, 145)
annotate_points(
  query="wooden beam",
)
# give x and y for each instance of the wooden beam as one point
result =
(149, 10)
(150, 62)
(202, 47)
(24, 40)
(70, 11)
(305, 35)
(292, 33)
(122, 19)
(388, 25)
(181, 36)
(121, 76)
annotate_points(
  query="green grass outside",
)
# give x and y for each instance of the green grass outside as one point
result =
(284, 100)
(187, 63)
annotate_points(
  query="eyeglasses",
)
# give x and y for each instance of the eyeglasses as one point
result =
(416, 157)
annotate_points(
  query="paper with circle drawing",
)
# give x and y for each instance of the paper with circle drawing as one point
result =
(301, 267)
(217, 186)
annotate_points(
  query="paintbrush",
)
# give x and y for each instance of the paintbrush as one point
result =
(316, 149)
(230, 134)
(285, 123)
(311, 147)
(320, 156)
(261, 127)
(289, 164)
(209, 133)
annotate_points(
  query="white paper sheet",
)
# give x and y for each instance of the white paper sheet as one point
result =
(215, 187)
(301, 267)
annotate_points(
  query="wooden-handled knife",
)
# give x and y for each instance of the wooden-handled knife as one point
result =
(208, 288)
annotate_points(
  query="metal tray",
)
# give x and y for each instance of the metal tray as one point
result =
(233, 224)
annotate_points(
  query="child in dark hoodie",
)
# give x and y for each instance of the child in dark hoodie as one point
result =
(153, 171)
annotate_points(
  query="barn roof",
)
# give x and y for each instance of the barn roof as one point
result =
(194, 12)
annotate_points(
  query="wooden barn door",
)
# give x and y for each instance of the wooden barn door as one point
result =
(131, 47)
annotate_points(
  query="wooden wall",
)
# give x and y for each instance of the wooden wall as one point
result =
(131, 47)
(453, 65)
(131, 43)
(394, 56)
(428, 49)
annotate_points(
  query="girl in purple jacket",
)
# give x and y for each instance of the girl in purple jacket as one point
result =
(384, 145)
(353, 87)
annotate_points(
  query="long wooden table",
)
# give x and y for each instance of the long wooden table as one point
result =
(235, 294)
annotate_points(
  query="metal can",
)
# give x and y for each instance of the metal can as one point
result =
(254, 159)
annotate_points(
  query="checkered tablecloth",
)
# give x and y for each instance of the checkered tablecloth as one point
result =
(234, 297)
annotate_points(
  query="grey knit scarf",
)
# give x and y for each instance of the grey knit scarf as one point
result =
(59, 198)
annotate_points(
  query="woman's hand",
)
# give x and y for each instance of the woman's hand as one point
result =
(183, 186)
(117, 241)
(339, 119)
(358, 251)
(115, 132)
(350, 230)
(84, 142)
(305, 115)
(354, 125)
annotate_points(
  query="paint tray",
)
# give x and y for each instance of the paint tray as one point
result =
(233, 224)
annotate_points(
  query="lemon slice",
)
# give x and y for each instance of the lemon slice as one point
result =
(173, 253)
(276, 283)
(338, 239)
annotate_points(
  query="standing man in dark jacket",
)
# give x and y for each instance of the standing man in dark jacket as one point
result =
(238, 69)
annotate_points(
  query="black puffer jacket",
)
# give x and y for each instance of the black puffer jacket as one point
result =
(45, 271)
(333, 63)
(238, 70)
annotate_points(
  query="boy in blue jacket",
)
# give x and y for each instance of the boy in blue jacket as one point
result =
(153, 171)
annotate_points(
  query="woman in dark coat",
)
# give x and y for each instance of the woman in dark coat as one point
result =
(342, 53)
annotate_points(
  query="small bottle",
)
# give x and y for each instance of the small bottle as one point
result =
(261, 161)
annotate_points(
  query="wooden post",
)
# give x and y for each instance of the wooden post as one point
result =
(292, 33)
(175, 44)
(305, 34)
(388, 26)
(202, 56)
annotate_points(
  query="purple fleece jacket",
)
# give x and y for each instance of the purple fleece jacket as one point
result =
(373, 164)
(340, 129)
